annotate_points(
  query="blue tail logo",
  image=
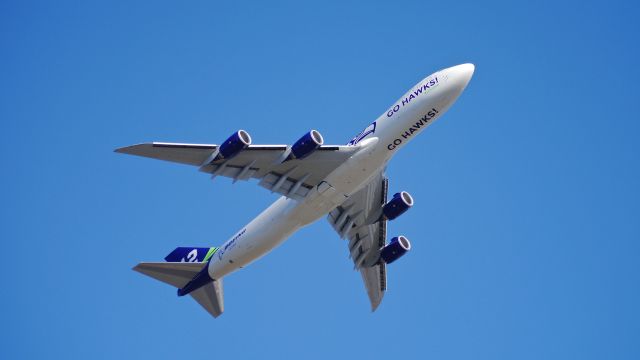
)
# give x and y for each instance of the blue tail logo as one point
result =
(191, 254)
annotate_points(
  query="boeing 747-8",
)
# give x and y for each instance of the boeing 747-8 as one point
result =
(344, 183)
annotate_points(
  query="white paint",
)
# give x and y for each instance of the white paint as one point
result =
(286, 216)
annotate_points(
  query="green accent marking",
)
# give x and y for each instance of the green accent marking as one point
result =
(210, 253)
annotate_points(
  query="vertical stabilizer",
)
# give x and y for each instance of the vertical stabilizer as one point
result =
(191, 254)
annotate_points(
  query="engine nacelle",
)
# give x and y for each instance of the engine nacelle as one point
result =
(307, 144)
(398, 246)
(400, 203)
(234, 144)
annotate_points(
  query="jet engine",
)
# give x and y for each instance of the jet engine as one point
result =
(234, 144)
(307, 144)
(398, 246)
(398, 205)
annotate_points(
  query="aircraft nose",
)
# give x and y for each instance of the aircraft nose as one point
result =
(454, 80)
(460, 75)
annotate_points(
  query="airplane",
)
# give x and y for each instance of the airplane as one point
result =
(345, 183)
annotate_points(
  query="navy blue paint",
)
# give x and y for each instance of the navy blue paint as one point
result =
(198, 281)
(232, 146)
(304, 146)
(182, 254)
(393, 251)
(396, 207)
(371, 129)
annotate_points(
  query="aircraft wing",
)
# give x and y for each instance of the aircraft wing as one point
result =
(355, 220)
(293, 178)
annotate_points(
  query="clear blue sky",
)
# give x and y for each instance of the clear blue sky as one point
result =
(526, 227)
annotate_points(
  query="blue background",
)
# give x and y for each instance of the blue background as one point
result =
(526, 225)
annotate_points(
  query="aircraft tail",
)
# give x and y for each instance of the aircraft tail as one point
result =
(179, 274)
(191, 254)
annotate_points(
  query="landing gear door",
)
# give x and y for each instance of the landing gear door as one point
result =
(325, 189)
(329, 195)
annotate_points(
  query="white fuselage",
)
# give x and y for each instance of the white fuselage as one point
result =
(407, 117)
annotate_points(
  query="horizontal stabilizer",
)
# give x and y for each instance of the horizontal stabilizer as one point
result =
(211, 297)
(174, 274)
(178, 274)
